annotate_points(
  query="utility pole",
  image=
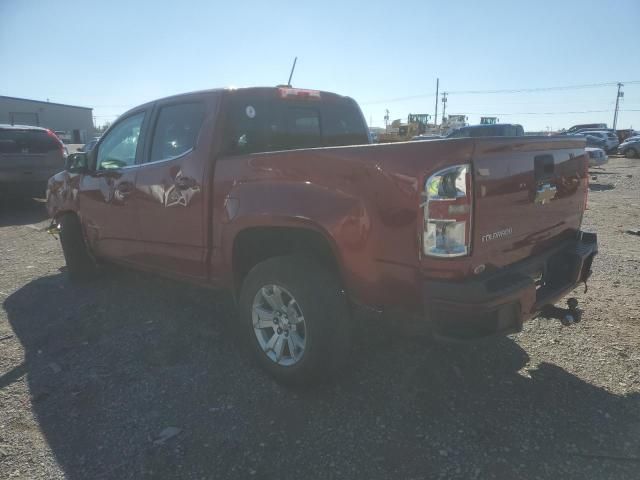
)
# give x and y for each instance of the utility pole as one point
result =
(444, 105)
(386, 120)
(618, 97)
(435, 117)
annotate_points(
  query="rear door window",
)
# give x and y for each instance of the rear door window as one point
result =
(176, 130)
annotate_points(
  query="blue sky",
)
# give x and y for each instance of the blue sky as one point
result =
(112, 55)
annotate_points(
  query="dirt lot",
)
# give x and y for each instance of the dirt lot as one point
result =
(92, 378)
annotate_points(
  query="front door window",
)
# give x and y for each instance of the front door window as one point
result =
(119, 147)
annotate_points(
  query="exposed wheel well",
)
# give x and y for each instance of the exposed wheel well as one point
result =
(61, 213)
(254, 245)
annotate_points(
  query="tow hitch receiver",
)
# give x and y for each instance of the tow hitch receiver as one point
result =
(567, 316)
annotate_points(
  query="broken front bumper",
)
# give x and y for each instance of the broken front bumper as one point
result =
(499, 302)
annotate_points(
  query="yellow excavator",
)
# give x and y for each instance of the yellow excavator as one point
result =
(398, 131)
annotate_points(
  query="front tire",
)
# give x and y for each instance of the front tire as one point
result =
(80, 264)
(295, 317)
(631, 153)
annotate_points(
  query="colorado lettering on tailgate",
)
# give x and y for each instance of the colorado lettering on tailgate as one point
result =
(499, 234)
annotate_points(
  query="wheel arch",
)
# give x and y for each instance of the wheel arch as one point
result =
(255, 243)
(58, 214)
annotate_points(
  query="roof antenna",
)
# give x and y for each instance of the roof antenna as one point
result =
(292, 69)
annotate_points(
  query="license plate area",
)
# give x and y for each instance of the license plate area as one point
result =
(557, 273)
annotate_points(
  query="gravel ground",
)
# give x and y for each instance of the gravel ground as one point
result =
(136, 377)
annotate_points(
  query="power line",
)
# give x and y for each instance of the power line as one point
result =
(518, 90)
(542, 89)
(547, 113)
(399, 99)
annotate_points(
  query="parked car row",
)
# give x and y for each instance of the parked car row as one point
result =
(607, 138)
(583, 126)
(597, 156)
(476, 131)
(630, 148)
(622, 135)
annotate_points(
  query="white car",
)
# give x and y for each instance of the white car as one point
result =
(597, 156)
(610, 138)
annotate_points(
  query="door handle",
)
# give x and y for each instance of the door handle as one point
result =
(183, 183)
(125, 188)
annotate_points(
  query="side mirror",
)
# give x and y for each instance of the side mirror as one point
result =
(77, 163)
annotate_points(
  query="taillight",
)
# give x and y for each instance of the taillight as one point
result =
(60, 144)
(447, 212)
(288, 92)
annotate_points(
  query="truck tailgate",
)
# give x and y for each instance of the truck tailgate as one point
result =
(529, 194)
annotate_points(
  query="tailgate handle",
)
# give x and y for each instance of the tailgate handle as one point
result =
(543, 166)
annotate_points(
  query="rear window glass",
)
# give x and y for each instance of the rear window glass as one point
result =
(302, 128)
(27, 142)
(259, 124)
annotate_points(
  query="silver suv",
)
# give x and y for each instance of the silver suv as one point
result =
(608, 136)
(28, 157)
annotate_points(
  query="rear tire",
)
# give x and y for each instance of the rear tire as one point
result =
(295, 317)
(630, 153)
(80, 264)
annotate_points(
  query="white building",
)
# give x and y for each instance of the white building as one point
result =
(72, 124)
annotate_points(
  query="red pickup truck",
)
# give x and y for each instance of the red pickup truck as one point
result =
(276, 195)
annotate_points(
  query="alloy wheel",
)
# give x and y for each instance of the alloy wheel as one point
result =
(279, 325)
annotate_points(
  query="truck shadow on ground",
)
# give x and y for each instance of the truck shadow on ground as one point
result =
(112, 364)
(21, 210)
